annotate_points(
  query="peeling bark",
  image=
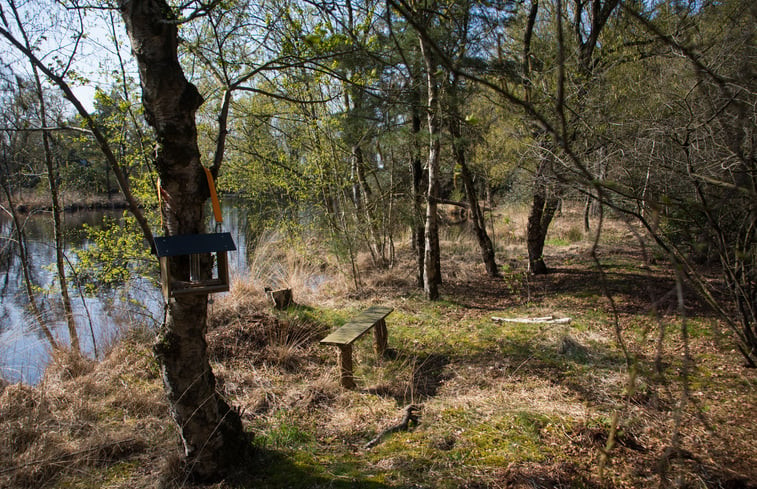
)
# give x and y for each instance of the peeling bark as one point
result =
(432, 262)
(211, 432)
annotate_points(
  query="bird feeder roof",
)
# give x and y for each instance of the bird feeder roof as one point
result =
(194, 244)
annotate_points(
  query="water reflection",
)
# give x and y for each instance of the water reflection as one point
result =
(24, 350)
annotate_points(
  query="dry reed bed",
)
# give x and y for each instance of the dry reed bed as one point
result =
(83, 418)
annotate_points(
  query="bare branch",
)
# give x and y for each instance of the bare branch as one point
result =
(102, 141)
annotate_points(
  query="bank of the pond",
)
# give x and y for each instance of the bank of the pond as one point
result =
(28, 202)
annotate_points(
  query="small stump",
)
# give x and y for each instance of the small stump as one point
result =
(281, 298)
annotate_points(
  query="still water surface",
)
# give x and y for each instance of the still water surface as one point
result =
(24, 351)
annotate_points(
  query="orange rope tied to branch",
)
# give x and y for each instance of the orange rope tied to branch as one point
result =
(160, 203)
(214, 197)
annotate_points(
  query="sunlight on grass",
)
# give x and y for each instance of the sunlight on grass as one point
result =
(500, 404)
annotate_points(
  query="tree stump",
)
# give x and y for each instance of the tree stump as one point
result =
(281, 298)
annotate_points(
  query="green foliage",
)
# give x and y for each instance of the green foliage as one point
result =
(557, 241)
(86, 169)
(81, 176)
(501, 149)
(284, 433)
(116, 253)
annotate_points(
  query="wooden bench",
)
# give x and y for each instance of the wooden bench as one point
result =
(344, 337)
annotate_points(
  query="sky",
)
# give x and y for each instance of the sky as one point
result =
(53, 33)
(86, 95)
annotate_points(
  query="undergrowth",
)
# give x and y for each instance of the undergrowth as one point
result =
(500, 404)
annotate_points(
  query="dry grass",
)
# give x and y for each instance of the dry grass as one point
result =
(502, 405)
(277, 263)
(85, 418)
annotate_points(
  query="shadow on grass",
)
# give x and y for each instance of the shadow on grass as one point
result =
(423, 374)
(270, 469)
(429, 374)
(635, 292)
(634, 289)
(521, 352)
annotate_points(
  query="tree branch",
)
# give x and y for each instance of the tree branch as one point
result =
(102, 141)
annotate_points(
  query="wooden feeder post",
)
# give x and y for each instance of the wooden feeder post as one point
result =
(194, 246)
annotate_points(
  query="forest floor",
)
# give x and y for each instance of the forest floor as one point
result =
(605, 401)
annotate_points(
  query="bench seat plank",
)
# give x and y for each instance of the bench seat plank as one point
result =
(358, 326)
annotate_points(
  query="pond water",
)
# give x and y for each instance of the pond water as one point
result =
(100, 318)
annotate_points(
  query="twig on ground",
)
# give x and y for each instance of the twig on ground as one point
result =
(410, 416)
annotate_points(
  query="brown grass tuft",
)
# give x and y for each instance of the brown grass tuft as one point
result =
(67, 365)
(305, 268)
(262, 338)
(83, 417)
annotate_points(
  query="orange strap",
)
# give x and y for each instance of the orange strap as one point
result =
(213, 196)
(160, 204)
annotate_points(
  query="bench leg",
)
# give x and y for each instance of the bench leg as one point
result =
(345, 366)
(381, 336)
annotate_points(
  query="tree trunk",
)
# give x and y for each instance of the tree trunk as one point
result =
(362, 196)
(530, 22)
(364, 205)
(211, 432)
(432, 273)
(52, 176)
(477, 219)
(23, 256)
(587, 213)
(543, 210)
(416, 167)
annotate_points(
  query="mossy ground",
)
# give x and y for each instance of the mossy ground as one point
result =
(607, 400)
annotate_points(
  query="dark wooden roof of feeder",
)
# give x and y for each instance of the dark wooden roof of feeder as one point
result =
(194, 244)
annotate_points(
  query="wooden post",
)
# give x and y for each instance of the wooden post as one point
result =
(223, 267)
(165, 274)
(345, 365)
(381, 336)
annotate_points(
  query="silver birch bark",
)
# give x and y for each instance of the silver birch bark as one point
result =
(211, 432)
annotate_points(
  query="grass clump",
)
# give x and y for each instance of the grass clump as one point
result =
(84, 418)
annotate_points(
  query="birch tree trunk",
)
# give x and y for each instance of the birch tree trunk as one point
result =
(432, 261)
(52, 177)
(60, 266)
(211, 432)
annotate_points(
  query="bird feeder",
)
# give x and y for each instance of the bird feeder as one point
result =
(199, 249)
